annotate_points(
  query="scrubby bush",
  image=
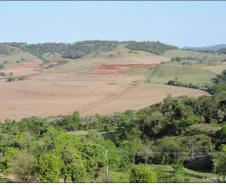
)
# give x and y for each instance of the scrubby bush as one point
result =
(2, 74)
(21, 77)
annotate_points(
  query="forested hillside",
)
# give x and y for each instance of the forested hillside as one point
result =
(82, 48)
(222, 50)
(148, 46)
(178, 140)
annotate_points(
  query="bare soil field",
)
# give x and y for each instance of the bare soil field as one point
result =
(60, 93)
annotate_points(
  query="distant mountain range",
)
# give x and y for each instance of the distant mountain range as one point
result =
(206, 48)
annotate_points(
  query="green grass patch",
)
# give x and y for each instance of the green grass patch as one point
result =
(216, 69)
(208, 129)
(186, 74)
(74, 66)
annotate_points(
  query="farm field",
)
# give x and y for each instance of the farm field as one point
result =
(62, 93)
(104, 82)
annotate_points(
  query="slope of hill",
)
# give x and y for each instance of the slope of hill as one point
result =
(206, 48)
(186, 67)
(222, 50)
(96, 83)
(10, 55)
(82, 48)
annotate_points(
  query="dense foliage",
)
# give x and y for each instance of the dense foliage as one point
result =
(148, 46)
(73, 51)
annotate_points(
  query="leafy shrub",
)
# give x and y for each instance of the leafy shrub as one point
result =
(142, 173)
(10, 78)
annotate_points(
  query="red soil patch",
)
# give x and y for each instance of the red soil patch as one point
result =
(26, 68)
(118, 68)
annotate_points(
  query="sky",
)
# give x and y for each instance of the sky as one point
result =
(177, 23)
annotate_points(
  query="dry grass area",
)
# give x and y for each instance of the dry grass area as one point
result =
(85, 65)
(55, 93)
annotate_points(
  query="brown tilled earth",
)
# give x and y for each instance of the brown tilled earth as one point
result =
(55, 93)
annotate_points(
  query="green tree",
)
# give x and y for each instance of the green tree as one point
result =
(37, 126)
(94, 156)
(128, 150)
(49, 168)
(74, 167)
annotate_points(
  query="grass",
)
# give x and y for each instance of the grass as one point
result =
(170, 71)
(73, 66)
(119, 51)
(184, 73)
(190, 72)
(118, 177)
(79, 132)
(189, 175)
(13, 58)
(209, 129)
(216, 69)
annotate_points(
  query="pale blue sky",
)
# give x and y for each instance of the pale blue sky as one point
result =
(178, 23)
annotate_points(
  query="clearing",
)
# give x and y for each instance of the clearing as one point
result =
(74, 86)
